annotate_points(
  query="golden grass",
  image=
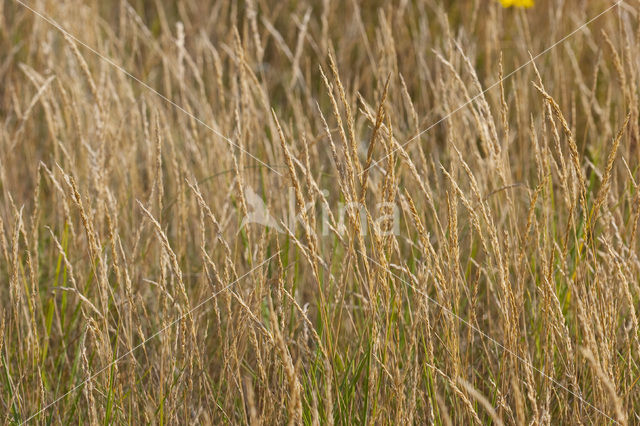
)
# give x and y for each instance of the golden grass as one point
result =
(131, 294)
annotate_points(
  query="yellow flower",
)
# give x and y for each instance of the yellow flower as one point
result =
(517, 3)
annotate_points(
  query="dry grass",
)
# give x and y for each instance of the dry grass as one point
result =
(131, 294)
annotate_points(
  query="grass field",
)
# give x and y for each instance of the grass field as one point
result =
(319, 212)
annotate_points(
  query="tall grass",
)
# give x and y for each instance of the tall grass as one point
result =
(132, 294)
